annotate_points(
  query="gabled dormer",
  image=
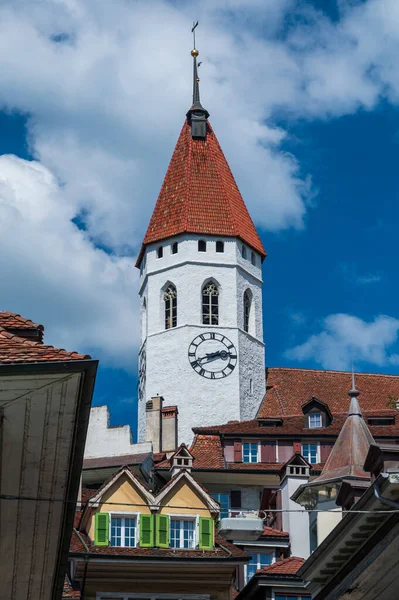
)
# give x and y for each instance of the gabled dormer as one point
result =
(181, 459)
(297, 466)
(316, 414)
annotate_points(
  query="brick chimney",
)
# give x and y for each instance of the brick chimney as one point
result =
(169, 428)
(153, 422)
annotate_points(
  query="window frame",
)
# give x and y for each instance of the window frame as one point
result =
(224, 512)
(124, 515)
(251, 443)
(212, 312)
(259, 564)
(315, 414)
(184, 517)
(317, 444)
(169, 306)
(253, 258)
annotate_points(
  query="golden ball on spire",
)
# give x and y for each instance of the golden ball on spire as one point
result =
(194, 52)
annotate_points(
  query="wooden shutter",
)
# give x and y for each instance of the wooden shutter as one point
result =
(101, 529)
(285, 450)
(228, 450)
(298, 447)
(268, 452)
(237, 451)
(162, 531)
(206, 533)
(325, 450)
(146, 531)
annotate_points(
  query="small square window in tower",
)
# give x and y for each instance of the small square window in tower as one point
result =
(219, 246)
(210, 304)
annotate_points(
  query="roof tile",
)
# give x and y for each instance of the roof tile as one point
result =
(287, 566)
(199, 195)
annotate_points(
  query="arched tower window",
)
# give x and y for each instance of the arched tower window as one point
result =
(253, 258)
(243, 251)
(170, 299)
(210, 304)
(159, 252)
(219, 246)
(175, 248)
(201, 246)
(247, 310)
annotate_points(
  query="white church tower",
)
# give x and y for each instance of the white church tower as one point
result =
(201, 289)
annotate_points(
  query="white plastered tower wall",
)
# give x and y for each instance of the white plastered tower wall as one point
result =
(201, 401)
(296, 522)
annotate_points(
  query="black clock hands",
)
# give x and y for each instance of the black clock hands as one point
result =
(211, 356)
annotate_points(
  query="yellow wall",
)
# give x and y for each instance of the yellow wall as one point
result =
(183, 499)
(124, 492)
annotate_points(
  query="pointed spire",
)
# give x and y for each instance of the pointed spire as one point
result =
(354, 408)
(197, 115)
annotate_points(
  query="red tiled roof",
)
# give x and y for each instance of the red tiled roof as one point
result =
(289, 389)
(70, 590)
(115, 461)
(10, 320)
(199, 195)
(295, 426)
(287, 566)
(223, 549)
(14, 349)
(270, 532)
(208, 452)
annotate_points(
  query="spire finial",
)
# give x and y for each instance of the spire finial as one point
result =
(197, 114)
(353, 392)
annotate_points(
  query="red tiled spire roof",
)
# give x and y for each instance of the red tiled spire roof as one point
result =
(199, 195)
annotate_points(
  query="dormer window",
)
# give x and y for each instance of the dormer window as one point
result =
(315, 420)
(381, 421)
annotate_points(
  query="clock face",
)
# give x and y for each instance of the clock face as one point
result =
(142, 373)
(212, 355)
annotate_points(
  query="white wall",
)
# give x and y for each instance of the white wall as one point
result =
(103, 440)
(326, 521)
(296, 523)
(201, 401)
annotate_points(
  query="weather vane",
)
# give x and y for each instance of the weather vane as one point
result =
(195, 24)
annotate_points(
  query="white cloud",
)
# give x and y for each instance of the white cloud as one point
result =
(346, 339)
(105, 106)
(53, 274)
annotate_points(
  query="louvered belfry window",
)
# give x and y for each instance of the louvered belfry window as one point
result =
(170, 299)
(210, 304)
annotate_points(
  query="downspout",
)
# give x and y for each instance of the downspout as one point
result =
(86, 558)
(383, 500)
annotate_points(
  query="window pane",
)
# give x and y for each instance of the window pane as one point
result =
(250, 452)
(116, 531)
(182, 533)
(264, 560)
(130, 532)
(224, 501)
(314, 420)
(309, 451)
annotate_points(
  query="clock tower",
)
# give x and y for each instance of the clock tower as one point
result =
(201, 288)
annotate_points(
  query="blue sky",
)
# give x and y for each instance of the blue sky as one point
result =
(314, 97)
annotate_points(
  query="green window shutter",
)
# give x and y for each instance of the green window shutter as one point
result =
(101, 529)
(206, 533)
(162, 531)
(146, 531)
